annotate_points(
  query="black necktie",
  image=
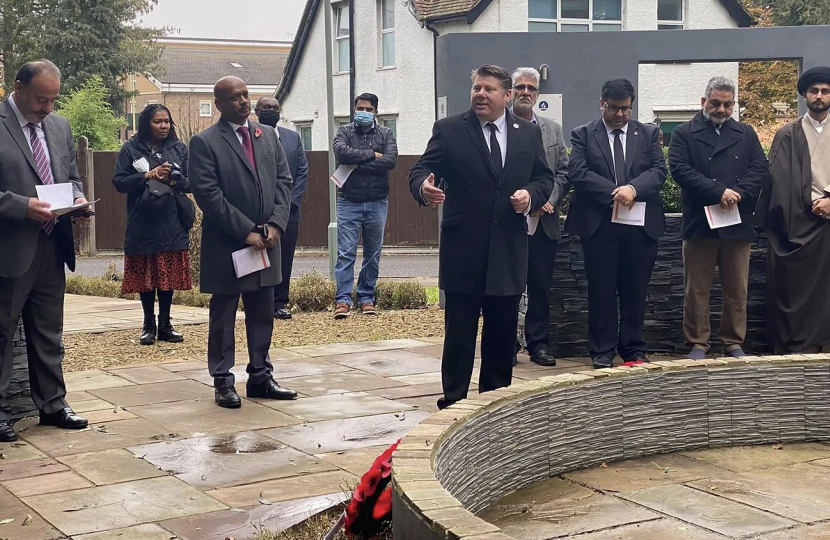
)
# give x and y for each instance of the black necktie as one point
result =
(495, 149)
(619, 158)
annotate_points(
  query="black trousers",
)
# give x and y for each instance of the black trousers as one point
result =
(259, 325)
(618, 261)
(288, 243)
(461, 312)
(540, 261)
(37, 295)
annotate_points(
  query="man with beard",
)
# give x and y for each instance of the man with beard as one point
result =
(492, 171)
(717, 162)
(796, 213)
(544, 240)
(268, 111)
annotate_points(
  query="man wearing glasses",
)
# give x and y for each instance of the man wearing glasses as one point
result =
(544, 240)
(616, 164)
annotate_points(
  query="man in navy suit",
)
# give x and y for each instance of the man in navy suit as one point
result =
(268, 111)
(616, 162)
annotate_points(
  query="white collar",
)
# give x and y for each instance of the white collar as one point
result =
(20, 117)
(237, 126)
(610, 130)
(500, 122)
(816, 123)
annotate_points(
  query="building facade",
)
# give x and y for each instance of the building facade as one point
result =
(394, 55)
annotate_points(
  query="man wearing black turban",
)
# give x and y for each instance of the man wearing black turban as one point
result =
(795, 211)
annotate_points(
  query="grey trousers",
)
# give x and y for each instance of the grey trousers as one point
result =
(38, 296)
(259, 325)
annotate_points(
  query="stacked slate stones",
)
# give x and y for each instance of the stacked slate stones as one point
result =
(20, 398)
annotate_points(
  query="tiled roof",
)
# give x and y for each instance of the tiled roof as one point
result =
(194, 66)
(438, 9)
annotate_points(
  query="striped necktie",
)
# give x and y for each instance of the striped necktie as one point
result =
(43, 168)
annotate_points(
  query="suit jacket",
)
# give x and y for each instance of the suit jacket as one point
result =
(18, 178)
(592, 174)
(704, 164)
(292, 144)
(483, 243)
(556, 154)
(234, 199)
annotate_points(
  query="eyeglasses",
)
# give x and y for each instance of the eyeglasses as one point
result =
(522, 87)
(614, 109)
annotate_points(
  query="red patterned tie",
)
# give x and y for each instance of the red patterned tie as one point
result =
(246, 145)
(42, 168)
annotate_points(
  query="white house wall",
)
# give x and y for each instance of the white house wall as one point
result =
(407, 90)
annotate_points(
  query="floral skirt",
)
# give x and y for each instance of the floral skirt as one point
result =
(168, 271)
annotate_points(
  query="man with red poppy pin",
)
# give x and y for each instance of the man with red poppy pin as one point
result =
(240, 179)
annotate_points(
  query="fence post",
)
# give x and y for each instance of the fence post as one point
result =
(86, 169)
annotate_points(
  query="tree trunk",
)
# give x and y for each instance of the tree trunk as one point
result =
(20, 397)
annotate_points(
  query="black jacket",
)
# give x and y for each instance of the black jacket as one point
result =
(151, 228)
(704, 164)
(483, 240)
(353, 146)
(591, 169)
(292, 145)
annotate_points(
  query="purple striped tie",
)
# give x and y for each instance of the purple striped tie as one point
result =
(43, 168)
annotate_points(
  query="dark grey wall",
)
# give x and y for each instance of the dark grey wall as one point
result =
(581, 62)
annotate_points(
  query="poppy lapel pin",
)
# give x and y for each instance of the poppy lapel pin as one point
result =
(257, 133)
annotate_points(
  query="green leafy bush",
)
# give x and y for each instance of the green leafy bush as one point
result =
(400, 295)
(312, 292)
(90, 115)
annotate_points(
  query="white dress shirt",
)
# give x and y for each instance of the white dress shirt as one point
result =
(819, 126)
(38, 129)
(239, 135)
(501, 134)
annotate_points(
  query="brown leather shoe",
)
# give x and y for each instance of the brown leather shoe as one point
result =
(341, 311)
(368, 309)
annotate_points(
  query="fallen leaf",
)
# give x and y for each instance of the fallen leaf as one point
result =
(27, 520)
(777, 446)
(18, 445)
(604, 466)
(6, 521)
(263, 500)
(2, 455)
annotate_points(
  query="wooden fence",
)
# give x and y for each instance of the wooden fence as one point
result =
(407, 225)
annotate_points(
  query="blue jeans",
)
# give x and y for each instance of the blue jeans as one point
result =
(354, 218)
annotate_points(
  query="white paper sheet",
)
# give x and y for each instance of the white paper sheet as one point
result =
(342, 174)
(141, 165)
(718, 217)
(74, 208)
(532, 224)
(249, 260)
(636, 215)
(57, 195)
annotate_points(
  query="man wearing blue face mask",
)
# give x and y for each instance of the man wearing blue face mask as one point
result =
(362, 203)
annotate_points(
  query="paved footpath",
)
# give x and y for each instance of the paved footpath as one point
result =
(160, 460)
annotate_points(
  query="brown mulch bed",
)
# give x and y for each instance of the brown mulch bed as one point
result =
(121, 348)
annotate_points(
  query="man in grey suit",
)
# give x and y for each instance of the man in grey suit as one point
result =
(544, 240)
(240, 179)
(36, 148)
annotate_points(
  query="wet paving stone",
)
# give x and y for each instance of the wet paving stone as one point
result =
(389, 363)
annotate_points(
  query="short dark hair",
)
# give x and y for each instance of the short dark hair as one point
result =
(371, 98)
(30, 70)
(617, 89)
(146, 116)
(490, 70)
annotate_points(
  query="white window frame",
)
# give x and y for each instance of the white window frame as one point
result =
(559, 20)
(383, 119)
(385, 32)
(210, 109)
(341, 121)
(340, 10)
(676, 25)
(300, 126)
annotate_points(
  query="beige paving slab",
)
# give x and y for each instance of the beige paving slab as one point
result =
(804, 532)
(288, 369)
(389, 363)
(74, 397)
(338, 383)
(356, 461)
(147, 531)
(12, 508)
(25, 469)
(556, 508)
(19, 451)
(751, 458)
(822, 462)
(121, 505)
(92, 380)
(95, 404)
(356, 347)
(425, 403)
(660, 529)
(146, 394)
(49, 483)
(108, 415)
(204, 417)
(184, 366)
(432, 377)
(331, 407)
(286, 489)
(716, 514)
(414, 390)
(111, 466)
(65, 442)
(800, 491)
(280, 354)
(645, 472)
(146, 374)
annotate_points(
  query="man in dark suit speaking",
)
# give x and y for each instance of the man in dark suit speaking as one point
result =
(240, 179)
(616, 165)
(492, 171)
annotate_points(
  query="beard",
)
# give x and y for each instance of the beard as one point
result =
(818, 106)
(522, 107)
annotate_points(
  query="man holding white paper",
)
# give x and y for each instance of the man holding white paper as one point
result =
(36, 152)
(617, 170)
(720, 166)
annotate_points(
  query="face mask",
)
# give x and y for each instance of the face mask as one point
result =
(269, 117)
(364, 119)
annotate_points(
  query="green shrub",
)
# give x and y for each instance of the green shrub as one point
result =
(196, 247)
(312, 292)
(400, 295)
(88, 286)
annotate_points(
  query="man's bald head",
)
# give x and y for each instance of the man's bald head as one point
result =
(231, 98)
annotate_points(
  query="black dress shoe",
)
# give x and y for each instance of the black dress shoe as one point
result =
(227, 397)
(282, 314)
(603, 362)
(64, 419)
(543, 358)
(167, 333)
(269, 390)
(7, 433)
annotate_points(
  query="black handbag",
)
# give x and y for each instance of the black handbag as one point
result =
(185, 209)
